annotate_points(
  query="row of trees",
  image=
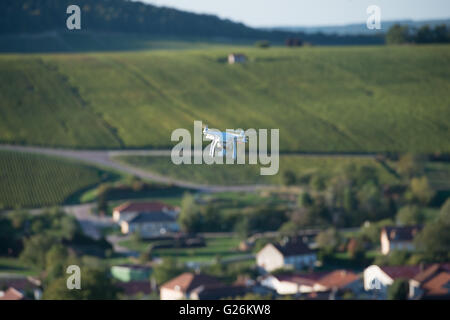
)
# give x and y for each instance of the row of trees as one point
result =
(120, 16)
(347, 198)
(399, 34)
(50, 242)
(196, 217)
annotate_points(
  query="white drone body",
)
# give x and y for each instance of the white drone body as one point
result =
(224, 140)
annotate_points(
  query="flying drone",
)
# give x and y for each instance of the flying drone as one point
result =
(224, 140)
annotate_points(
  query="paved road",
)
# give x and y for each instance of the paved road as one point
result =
(90, 223)
(105, 158)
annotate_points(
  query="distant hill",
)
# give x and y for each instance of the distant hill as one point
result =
(323, 99)
(36, 16)
(21, 21)
(357, 28)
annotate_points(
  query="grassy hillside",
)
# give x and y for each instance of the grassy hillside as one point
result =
(351, 99)
(303, 166)
(28, 180)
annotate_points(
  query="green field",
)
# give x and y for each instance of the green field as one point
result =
(15, 266)
(223, 247)
(302, 166)
(334, 99)
(28, 180)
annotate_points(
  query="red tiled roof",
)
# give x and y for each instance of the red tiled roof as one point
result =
(338, 279)
(335, 279)
(427, 273)
(142, 207)
(395, 272)
(438, 285)
(12, 294)
(133, 288)
(188, 281)
(307, 279)
(20, 283)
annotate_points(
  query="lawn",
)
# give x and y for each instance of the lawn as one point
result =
(14, 265)
(327, 99)
(223, 247)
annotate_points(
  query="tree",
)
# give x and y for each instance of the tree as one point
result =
(409, 215)
(370, 202)
(9, 239)
(398, 290)
(356, 250)
(398, 34)
(19, 219)
(317, 182)
(35, 250)
(328, 240)
(166, 270)
(370, 231)
(445, 211)
(410, 165)
(442, 33)
(190, 217)
(289, 178)
(305, 200)
(395, 258)
(96, 284)
(433, 242)
(146, 256)
(421, 191)
(424, 35)
(55, 262)
(102, 200)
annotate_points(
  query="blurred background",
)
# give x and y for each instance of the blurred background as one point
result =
(359, 209)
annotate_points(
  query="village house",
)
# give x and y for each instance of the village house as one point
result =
(398, 238)
(292, 284)
(187, 286)
(236, 58)
(11, 294)
(150, 224)
(136, 289)
(20, 288)
(292, 254)
(377, 279)
(130, 272)
(340, 280)
(129, 210)
(433, 282)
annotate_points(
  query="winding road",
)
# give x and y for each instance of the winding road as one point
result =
(105, 158)
(92, 224)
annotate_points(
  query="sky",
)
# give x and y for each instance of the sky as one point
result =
(258, 13)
